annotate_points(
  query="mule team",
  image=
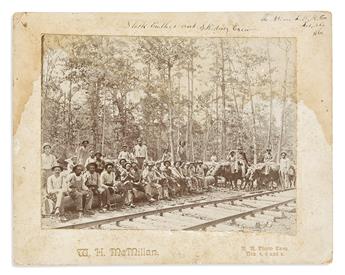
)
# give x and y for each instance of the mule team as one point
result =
(90, 177)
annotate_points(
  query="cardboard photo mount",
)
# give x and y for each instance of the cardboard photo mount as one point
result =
(312, 243)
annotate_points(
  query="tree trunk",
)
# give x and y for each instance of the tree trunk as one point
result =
(239, 133)
(188, 115)
(253, 117)
(171, 141)
(69, 135)
(207, 134)
(217, 121)
(269, 139)
(178, 114)
(191, 107)
(283, 108)
(223, 139)
(103, 128)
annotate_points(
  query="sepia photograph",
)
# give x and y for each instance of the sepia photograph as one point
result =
(168, 133)
(172, 138)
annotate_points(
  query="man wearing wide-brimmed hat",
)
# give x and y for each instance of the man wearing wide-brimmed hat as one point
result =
(78, 190)
(56, 190)
(83, 153)
(150, 182)
(173, 185)
(92, 181)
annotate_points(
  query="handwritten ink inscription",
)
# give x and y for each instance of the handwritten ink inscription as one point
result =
(207, 27)
(264, 251)
(313, 23)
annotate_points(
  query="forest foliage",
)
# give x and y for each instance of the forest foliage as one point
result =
(214, 93)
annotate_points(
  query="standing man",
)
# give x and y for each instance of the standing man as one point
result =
(48, 160)
(91, 158)
(233, 161)
(100, 163)
(268, 158)
(83, 153)
(125, 154)
(241, 161)
(214, 159)
(284, 166)
(181, 151)
(140, 153)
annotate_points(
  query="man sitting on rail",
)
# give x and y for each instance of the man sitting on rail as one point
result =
(150, 182)
(199, 175)
(111, 185)
(56, 190)
(162, 181)
(78, 191)
(179, 177)
(172, 183)
(127, 182)
(92, 181)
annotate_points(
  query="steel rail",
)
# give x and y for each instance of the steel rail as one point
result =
(232, 218)
(144, 214)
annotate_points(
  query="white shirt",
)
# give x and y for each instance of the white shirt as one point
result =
(55, 184)
(48, 161)
(284, 164)
(140, 151)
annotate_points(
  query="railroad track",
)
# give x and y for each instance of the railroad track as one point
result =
(229, 214)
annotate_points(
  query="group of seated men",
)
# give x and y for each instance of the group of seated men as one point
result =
(105, 179)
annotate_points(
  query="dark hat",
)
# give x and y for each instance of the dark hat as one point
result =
(91, 164)
(122, 160)
(233, 151)
(240, 148)
(124, 145)
(167, 161)
(98, 153)
(283, 153)
(128, 163)
(46, 144)
(76, 166)
(57, 165)
(85, 141)
(108, 164)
